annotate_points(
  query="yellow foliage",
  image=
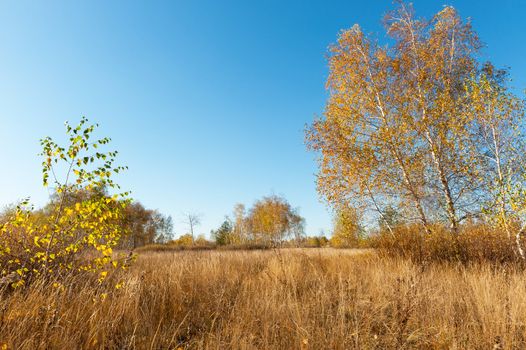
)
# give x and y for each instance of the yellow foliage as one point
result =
(416, 123)
(183, 241)
(78, 230)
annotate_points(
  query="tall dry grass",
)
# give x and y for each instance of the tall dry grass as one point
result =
(479, 244)
(283, 299)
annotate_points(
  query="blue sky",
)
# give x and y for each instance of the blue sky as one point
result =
(205, 100)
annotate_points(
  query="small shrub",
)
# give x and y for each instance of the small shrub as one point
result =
(68, 235)
(183, 241)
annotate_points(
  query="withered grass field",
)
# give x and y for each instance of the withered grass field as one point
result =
(281, 299)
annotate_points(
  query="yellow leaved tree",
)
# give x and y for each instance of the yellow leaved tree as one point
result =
(272, 219)
(410, 125)
(347, 230)
(69, 235)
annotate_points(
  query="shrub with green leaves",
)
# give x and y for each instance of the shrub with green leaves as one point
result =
(68, 235)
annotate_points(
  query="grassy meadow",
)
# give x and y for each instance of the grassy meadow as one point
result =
(274, 299)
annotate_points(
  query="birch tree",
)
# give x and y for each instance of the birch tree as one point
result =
(500, 146)
(402, 123)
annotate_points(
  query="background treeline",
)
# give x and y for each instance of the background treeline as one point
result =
(270, 222)
(273, 222)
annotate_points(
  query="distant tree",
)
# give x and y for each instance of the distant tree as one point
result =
(389, 219)
(192, 220)
(240, 223)
(315, 241)
(145, 226)
(272, 219)
(136, 220)
(164, 225)
(297, 229)
(347, 228)
(224, 234)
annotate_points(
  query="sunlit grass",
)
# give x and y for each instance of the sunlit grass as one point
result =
(274, 299)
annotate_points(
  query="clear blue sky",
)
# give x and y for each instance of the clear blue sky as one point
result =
(205, 100)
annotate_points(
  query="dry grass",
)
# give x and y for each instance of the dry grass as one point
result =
(288, 299)
(480, 244)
